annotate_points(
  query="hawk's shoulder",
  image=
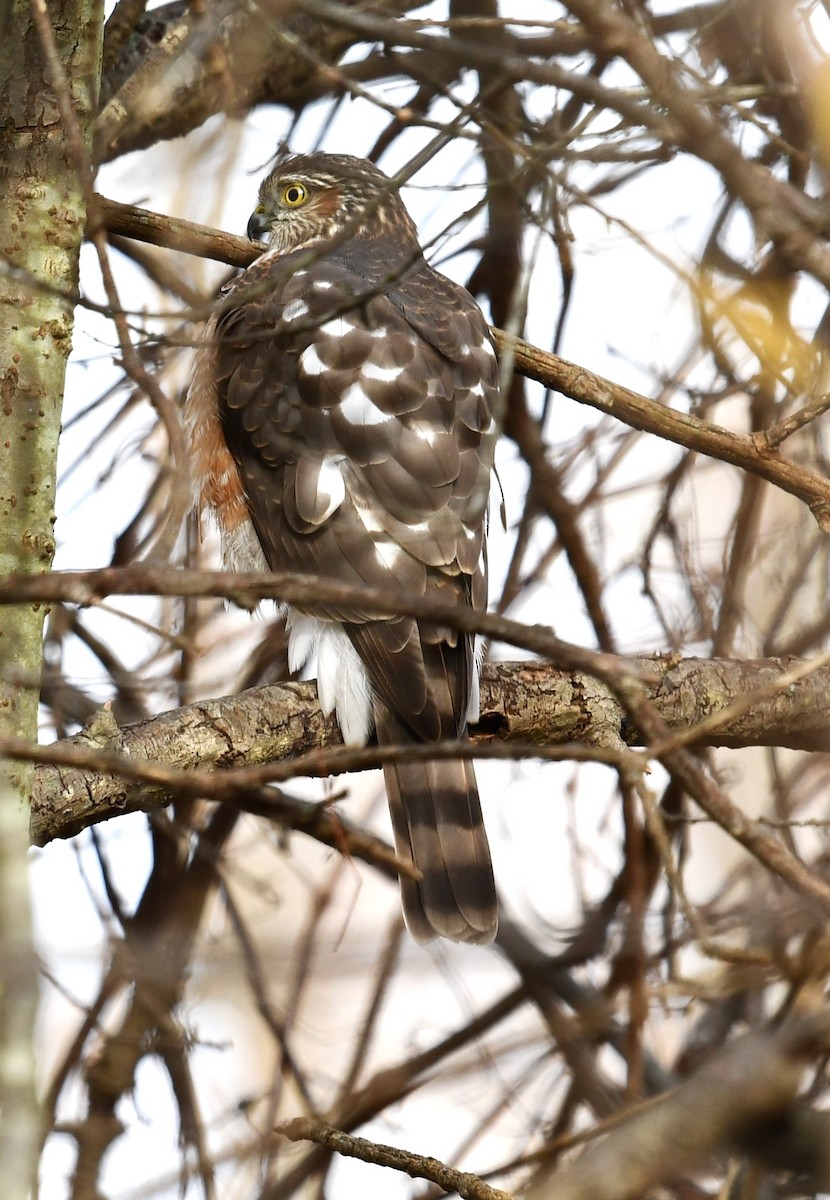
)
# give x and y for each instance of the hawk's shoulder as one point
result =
(374, 279)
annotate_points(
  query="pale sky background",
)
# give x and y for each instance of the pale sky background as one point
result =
(629, 319)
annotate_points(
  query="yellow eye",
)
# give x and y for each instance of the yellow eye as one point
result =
(293, 195)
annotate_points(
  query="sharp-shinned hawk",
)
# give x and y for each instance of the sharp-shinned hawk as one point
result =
(342, 423)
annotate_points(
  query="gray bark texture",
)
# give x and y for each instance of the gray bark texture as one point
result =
(42, 218)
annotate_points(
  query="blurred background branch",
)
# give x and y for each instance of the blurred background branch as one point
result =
(637, 195)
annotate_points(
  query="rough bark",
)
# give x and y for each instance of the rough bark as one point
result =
(523, 704)
(221, 57)
(41, 227)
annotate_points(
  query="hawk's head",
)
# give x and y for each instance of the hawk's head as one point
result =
(311, 198)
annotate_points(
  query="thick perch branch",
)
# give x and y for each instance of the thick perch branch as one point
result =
(523, 704)
(617, 673)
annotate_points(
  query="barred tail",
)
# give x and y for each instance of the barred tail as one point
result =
(436, 816)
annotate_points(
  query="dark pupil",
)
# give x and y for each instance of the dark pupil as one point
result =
(294, 194)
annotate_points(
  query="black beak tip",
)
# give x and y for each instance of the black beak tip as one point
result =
(257, 228)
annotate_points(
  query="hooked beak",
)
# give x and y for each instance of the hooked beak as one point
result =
(257, 226)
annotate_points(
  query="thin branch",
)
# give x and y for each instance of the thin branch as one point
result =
(754, 1079)
(418, 1166)
(522, 705)
(649, 416)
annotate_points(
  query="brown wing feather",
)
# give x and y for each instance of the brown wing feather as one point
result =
(360, 422)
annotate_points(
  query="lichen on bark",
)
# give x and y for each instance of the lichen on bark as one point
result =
(41, 226)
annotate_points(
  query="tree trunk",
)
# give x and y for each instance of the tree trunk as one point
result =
(41, 224)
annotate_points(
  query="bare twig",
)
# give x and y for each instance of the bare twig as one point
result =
(418, 1166)
(577, 382)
